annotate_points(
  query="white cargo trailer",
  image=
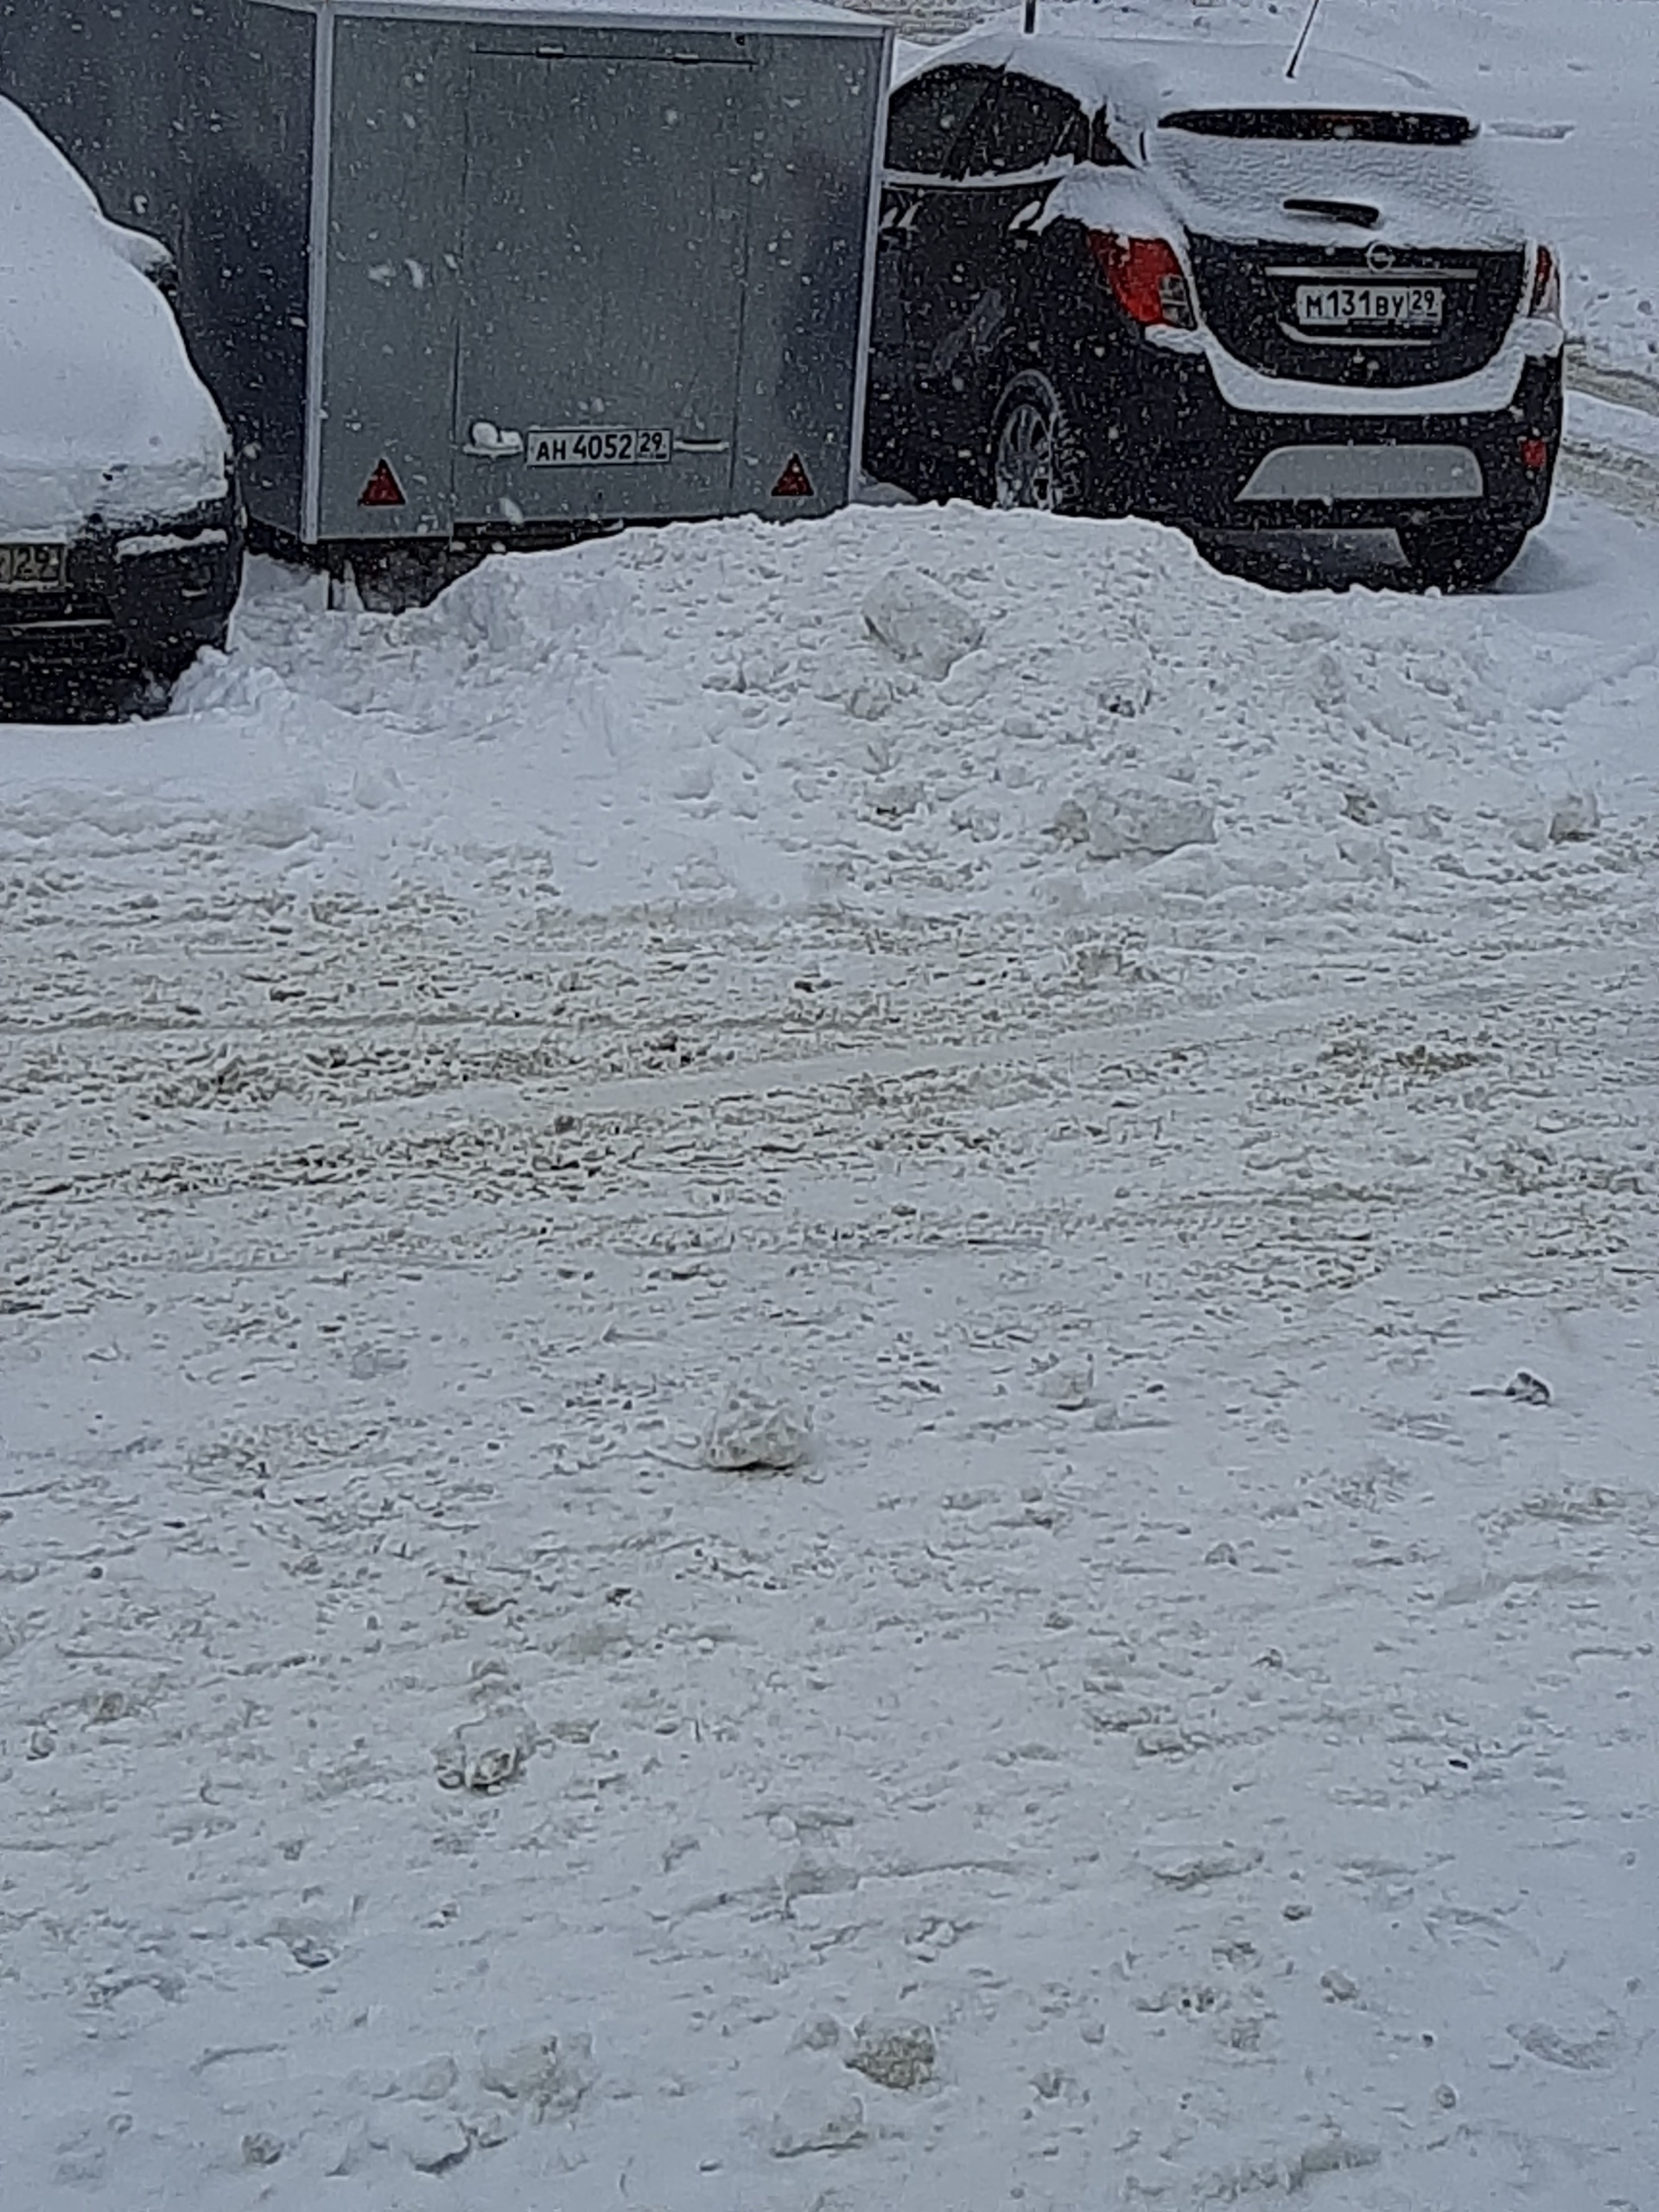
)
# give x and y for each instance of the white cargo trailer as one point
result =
(465, 273)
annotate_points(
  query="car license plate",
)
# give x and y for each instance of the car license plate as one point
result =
(597, 446)
(1370, 306)
(32, 568)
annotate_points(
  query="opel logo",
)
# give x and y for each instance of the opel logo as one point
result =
(1378, 256)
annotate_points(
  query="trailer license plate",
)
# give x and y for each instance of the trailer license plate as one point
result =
(1369, 306)
(594, 445)
(32, 568)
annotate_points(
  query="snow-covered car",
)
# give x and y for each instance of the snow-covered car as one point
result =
(120, 530)
(1161, 277)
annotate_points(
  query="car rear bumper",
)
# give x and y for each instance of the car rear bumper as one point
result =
(1173, 448)
(146, 592)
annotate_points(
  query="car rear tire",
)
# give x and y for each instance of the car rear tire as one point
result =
(1036, 455)
(1459, 556)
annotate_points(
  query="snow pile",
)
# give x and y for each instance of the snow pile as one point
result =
(1017, 711)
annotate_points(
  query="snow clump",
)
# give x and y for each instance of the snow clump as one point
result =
(1574, 815)
(918, 624)
(758, 1429)
(1566, 818)
(810, 2121)
(1148, 818)
(486, 1754)
(548, 2078)
(1069, 1383)
(898, 2054)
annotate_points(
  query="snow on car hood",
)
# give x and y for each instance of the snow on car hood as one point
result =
(1425, 196)
(101, 411)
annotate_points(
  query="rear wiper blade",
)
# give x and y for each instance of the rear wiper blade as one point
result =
(1357, 211)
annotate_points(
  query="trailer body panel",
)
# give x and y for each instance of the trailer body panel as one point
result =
(464, 270)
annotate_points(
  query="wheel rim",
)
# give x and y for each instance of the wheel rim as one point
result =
(1025, 456)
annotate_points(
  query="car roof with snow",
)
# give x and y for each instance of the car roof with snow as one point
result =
(39, 185)
(1145, 81)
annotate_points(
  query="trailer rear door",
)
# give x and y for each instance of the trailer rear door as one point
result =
(606, 233)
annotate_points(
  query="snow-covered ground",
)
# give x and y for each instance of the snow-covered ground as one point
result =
(1179, 1728)
(1184, 1733)
(1565, 87)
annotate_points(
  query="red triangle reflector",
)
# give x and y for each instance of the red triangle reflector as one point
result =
(794, 483)
(383, 489)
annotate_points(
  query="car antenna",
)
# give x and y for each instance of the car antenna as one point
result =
(1301, 43)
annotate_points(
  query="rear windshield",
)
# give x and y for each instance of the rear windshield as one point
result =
(1306, 123)
(1252, 189)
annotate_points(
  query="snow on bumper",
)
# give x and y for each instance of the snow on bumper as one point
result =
(1486, 392)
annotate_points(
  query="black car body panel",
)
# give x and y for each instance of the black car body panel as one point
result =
(148, 595)
(1222, 418)
(1195, 455)
(1246, 294)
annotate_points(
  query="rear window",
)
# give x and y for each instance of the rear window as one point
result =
(1305, 125)
(1021, 125)
(925, 118)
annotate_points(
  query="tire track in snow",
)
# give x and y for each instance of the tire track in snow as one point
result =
(1081, 1053)
(1625, 480)
(1624, 387)
(1628, 482)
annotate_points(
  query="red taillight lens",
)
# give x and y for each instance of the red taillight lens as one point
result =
(1146, 280)
(1546, 284)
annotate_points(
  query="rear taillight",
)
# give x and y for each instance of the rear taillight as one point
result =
(1546, 285)
(1146, 280)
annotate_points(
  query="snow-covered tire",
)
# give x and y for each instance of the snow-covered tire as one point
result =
(1036, 456)
(1459, 556)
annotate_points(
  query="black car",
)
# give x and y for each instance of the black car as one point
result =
(120, 528)
(1157, 278)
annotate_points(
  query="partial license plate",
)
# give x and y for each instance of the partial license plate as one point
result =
(1370, 306)
(33, 568)
(594, 445)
